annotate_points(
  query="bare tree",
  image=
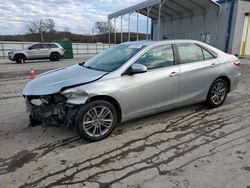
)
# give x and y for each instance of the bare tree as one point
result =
(41, 26)
(103, 27)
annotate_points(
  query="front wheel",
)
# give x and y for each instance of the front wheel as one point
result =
(96, 120)
(19, 58)
(217, 93)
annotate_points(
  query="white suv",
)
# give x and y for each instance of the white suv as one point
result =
(52, 51)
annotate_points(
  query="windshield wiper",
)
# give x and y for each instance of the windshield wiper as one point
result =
(92, 68)
(89, 67)
(83, 64)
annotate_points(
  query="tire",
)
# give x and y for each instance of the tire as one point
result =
(33, 122)
(216, 98)
(54, 56)
(19, 57)
(94, 128)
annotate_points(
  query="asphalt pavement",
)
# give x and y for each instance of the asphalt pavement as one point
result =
(187, 147)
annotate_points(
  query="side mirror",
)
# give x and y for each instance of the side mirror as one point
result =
(29, 48)
(138, 68)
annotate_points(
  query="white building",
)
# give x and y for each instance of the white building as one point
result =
(224, 24)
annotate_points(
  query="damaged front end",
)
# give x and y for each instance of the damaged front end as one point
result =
(53, 98)
(50, 110)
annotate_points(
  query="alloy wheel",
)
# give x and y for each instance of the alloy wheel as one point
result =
(218, 93)
(97, 121)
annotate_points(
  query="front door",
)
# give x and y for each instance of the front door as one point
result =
(34, 51)
(155, 89)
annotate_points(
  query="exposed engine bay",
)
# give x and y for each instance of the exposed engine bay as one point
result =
(50, 110)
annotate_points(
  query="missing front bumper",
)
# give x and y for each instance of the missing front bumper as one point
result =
(59, 114)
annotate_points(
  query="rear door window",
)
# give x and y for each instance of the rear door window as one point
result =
(45, 45)
(53, 46)
(207, 55)
(190, 53)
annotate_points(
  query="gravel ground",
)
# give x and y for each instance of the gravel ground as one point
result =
(187, 147)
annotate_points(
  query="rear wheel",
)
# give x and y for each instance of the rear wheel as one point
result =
(19, 58)
(217, 93)
(54, 56)
(96, 120)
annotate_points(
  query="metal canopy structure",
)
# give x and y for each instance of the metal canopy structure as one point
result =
(166, 10)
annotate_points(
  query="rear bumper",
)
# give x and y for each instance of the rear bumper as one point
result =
(235, 81)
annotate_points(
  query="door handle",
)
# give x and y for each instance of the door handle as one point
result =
(172, 74)
(213, 65)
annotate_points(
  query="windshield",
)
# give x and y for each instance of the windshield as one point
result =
(113, 58)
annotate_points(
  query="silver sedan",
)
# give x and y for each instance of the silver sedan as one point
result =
(128, 81)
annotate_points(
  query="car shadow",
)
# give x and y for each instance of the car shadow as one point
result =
(160, 117)
(29, 61)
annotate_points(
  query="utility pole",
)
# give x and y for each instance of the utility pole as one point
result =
(109, 24)
(93, 34)
(41, 30)
(3, 47)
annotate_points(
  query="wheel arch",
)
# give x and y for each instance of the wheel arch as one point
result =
(54, 52)
(20, 54)
(228, 81)
(111, 100)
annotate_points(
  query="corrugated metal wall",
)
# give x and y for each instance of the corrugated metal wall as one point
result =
(241, 8)
(193, 28)
(222, 26)
(215, 25)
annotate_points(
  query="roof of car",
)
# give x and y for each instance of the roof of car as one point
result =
(47, 43)
(151, 42)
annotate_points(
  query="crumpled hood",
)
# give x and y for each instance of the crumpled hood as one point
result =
(53, 81)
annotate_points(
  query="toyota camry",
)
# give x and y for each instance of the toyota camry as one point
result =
(128, 81)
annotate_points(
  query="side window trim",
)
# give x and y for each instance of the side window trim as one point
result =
(204, 59)
(176, 54)
(212, 53)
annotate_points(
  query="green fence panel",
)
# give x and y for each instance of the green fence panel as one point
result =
(67, 45)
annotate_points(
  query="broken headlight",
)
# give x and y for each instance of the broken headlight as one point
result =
(36, 102)
(40, 101)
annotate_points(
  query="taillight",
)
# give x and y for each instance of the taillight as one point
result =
(237, 63)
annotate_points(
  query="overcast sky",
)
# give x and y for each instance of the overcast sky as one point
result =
(78, 16)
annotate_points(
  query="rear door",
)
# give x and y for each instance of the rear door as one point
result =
(155, 89)
(44, 51)
(199, 68)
